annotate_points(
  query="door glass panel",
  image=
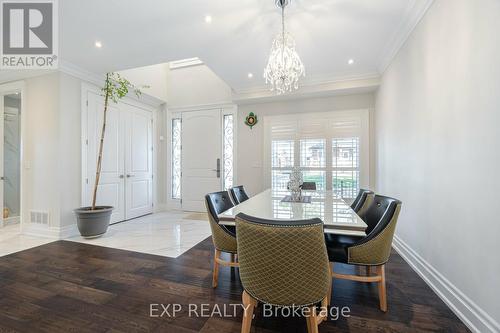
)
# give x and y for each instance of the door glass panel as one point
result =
(176, 158)
(12, 156)
(228, 151)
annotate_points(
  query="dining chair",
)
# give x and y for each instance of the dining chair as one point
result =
(370, 251)
(308, 186)
(223, 237)
(362, 202)
(285, 264)
(238, 194)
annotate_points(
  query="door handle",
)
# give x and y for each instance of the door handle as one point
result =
(218, 168)
(121, 176)
(129, 175)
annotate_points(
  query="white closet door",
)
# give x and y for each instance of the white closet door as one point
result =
(201, 157)
(111, 191)
(138, 162)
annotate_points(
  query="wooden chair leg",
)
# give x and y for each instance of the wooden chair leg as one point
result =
(330, 289)
(249, 304)
(312, 320)
(215, 276)
(381, 288)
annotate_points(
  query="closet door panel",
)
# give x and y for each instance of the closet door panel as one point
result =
(138, 162)
(111, 191)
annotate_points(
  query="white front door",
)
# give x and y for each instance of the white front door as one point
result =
(138, 162)
(201, 157)
(111, 191)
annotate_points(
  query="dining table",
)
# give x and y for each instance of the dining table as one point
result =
(274, 204)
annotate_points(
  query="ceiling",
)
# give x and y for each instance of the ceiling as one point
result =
(328, 33)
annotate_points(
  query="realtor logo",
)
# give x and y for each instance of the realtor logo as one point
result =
(29, 34)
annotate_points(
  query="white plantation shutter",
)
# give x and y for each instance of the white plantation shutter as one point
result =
(284, 130)
(312, 128)
(331, 148)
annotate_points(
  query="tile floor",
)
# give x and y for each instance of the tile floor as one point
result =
(166, 234)
(12, 241)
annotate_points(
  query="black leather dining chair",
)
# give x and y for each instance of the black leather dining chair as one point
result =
(223, 237)
(370, 251)
(238, 194)
(362, 202)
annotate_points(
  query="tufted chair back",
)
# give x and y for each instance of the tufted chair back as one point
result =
(223, 238)
(283, 262)
(238, 194)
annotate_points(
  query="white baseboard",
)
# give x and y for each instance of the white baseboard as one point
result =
(33, 229)
(469, 312)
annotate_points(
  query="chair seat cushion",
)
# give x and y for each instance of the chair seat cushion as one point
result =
(336, 246)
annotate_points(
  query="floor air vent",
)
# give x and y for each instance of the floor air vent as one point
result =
(39, 217)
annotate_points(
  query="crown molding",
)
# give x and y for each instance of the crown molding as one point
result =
(414, 14)
(318, 88)
(83, 74)
(96, 79)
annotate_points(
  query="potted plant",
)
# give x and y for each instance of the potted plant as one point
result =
(93, 221)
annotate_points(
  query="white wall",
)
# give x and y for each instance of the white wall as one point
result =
(41, 147)
(154, 76)
(437, 138)
(251, 141)
(69, 147)
(196, 85)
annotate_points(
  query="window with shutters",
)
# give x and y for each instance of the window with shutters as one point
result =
(331, 150)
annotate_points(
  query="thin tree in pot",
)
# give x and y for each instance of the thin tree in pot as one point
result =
(115, 88)
(94, 220)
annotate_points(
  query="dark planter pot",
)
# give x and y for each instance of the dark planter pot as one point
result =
(93, 223)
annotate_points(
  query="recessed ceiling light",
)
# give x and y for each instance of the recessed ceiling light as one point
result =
(208, 19)
(250, 75)
(98, 44)
(351, 61)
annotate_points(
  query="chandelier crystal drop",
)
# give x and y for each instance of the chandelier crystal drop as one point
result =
(284, 67)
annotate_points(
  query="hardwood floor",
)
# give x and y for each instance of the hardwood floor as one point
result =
(73, 287)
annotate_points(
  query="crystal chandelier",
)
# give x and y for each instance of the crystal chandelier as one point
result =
(284, 67)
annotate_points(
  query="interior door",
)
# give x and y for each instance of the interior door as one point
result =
(201, 157)
(111, 191)
(138, 162)
(2, 110)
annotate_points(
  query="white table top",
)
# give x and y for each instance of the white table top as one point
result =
(336, 215)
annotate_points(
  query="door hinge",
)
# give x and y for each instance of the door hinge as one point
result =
(181, 201)
(87, 142)
(87, 102)
(86, 180)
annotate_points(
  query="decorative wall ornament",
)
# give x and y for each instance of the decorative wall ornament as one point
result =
(251, 120)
